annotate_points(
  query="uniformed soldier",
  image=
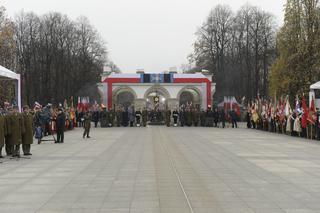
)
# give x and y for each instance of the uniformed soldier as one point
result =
(182, 117)
(16, 130)
(3, 131)
(27, 136)
(9, 146)
(87, 124)
(112, 116)
(104, 117)
(168, 117)
(125, 117)
(144, 117)
(209, 118)
(188, 117)
(118, 116)
(203, 118)
(196, 117)
(175, 115)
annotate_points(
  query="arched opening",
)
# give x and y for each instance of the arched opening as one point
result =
(189, 97)
(123, 97)
(157, 100)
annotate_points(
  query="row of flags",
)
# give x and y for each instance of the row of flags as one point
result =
(282, 109)
(83, 104)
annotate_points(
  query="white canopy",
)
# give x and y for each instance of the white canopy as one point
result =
(315, 86)
(4, 72)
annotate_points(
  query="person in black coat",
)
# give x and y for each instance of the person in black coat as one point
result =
(234, 118)
(216, 117)
(125, 117)
(223, 118)
(96, 117)
(248, 118)
(61, 122)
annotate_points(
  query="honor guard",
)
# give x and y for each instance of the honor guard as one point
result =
(138, 117)
(27, 136)
(16, 130)
(175, 115)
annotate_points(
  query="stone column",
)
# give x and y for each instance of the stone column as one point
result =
(140, 103)
(173, 103)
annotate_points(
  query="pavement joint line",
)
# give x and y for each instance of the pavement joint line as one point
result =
(177, 175)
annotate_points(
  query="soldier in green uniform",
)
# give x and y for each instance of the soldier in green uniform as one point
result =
(87, 125)
(27, 136)
(104, 117)
(9, 146)
(15, 131)
(203, 115)
(144, 117)
(195, 117)
(3, 132)
(118, 116)
(111, 117)
(168, 117)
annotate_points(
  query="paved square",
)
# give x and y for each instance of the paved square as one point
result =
(159, 169)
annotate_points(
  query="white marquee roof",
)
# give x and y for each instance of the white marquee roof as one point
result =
(4, 72)
(315, 86)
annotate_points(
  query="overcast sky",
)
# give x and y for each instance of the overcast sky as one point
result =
(149, 34)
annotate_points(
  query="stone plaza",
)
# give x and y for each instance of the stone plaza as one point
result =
(160, 169)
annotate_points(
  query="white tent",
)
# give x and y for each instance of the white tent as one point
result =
(8, 74)
(312, 94)
(315, 86)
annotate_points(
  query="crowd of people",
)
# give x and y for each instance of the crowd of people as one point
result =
(186, 116)
(280, 117)
(18, 129)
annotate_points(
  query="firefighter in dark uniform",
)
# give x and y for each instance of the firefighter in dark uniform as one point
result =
(168, 117)
(27, 136)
